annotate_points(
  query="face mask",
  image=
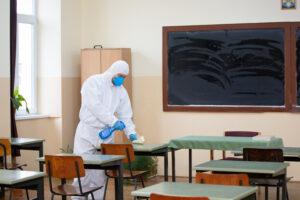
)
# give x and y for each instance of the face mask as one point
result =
(118, 81)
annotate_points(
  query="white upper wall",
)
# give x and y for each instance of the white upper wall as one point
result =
(70, 37)
(49, 38)
(138, 24)
(4, 39)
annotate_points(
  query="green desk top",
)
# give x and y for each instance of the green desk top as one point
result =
(96, 159)
(221, 142)
(291, 151)
(24, 141)
(10, 177)
(146, 147)
(287, 151)
(242, 166)
(213, 192)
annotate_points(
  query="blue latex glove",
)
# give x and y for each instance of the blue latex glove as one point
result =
(132, 137)
(119, 125)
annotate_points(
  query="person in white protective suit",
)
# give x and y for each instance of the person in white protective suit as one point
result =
(102, 96)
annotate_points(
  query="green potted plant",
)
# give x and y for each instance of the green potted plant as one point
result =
(18, 99)
(143, 163)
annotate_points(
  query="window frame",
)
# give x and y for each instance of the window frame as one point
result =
(32, 20)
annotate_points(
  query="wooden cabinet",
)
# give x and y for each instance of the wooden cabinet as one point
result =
(96, 61)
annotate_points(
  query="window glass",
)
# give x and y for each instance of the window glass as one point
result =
(25, 7)
(25, 62)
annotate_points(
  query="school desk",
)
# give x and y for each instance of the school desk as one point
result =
(216, 143)
(213, 192)
(23, 179)
(152, 150)
(28, 144)
(104, 162)
(265, 170)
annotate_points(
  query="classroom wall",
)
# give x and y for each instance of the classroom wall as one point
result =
(4, 69)
(58, 78)
(138, 25)
(70, 69)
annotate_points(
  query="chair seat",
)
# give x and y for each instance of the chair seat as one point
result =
(70, 190)
(126, 173)
(12, 166)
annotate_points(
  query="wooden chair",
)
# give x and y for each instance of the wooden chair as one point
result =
(238, 134)
(266, 155)
(165, 197)
(223, 179)
(65, 167)
(5, 151)
(127, 151)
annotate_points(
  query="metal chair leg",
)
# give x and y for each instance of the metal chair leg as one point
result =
(92, 196)
(105, 188)
(266, 192)
(86, 197)
(52, 196)
(27, 195)
(142, 181)
(135, 186)
(277, 192)
(10, 193)
(287, 194)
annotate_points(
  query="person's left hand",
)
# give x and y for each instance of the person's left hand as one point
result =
(132, 137)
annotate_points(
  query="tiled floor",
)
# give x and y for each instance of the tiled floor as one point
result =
(293, 189)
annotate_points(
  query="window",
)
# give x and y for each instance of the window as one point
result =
(25, 76)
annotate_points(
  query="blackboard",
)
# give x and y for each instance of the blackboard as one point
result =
(229, 67)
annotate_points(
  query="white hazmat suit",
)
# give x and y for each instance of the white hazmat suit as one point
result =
(101, 99)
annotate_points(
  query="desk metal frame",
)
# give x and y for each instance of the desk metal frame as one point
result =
(159, 152)
(35, 146)
(34, 184)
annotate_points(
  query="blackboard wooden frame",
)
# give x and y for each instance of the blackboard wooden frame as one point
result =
(294, 27)
(289, 62)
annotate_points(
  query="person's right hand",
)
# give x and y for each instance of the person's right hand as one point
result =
(119, 125)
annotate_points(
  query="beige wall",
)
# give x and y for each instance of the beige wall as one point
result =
(4, 69)
(138, 25)
(71, 104)
(48, 129)
(58, 78)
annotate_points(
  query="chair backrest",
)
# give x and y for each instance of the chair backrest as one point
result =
(165, 197)
(7, 145)
(64, 166)
(223, 179)
(119, 149)
(241, 133)
(263, 154)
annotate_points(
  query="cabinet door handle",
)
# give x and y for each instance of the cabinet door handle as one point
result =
(98, 46)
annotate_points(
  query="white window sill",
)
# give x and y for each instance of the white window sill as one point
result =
(32, 116)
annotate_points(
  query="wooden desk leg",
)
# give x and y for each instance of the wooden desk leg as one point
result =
(173, 164)
(166, 165)
(190, 165)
